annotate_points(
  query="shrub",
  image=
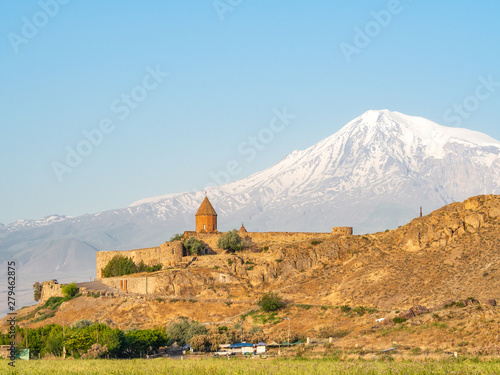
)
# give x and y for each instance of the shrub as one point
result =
(69, 290)
(53, 303)
(345, 308)
(143, 268)
(315, 242)
(397, 320)
(271, 302)
(326, 332)
(37, 291)
(194, 246)
(230, 241)
(82, 323)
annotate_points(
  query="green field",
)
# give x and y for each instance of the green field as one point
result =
(247, 366)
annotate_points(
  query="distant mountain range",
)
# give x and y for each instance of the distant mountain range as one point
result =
(373, 174)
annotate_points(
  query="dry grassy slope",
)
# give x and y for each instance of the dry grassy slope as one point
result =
(453, 253)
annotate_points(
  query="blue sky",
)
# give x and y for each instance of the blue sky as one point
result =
(170, 91)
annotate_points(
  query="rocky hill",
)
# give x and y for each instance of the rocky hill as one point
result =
(448, 258)
(372, 174)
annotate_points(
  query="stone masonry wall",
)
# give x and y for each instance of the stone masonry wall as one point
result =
(167, 254)
(267, 238)
(50, 289)
(342, 231)
(142, 285)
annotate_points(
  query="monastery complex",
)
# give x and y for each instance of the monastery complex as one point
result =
(173, 254)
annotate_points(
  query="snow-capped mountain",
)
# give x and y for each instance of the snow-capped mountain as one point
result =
(26, 224)
(373, 174)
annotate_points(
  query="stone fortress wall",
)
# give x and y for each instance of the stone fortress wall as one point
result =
(50, 289)
(267, 238)
(132, 284)
(167, 254)
(171, 254)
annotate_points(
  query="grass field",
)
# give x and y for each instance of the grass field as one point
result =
(247, 366)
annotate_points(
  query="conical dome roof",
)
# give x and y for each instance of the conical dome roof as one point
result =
(206, 208)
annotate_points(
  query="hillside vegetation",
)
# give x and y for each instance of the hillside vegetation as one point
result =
(446, 262)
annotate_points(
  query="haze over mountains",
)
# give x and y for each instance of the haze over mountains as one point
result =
(373, 174)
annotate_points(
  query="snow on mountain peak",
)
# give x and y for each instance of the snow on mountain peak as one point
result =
(368, 149)
(414, 130)
(47, 220)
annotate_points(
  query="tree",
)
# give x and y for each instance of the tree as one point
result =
(78, 341)
(230, 241)
(182, 331)
(54, 342)
(194, 246)
(176, 237)
(139, 342)
(37, 291)
(271, 302)
(112, 339)
(69, 290)
(198, 343)
(119, 266)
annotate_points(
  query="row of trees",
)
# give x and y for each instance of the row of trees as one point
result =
(231, 241)
(85, 339)
(83, 335)
(120, 265)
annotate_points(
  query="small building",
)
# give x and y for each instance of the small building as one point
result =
(260, 347)
(273, 344)
(206, 218)
(242, 347)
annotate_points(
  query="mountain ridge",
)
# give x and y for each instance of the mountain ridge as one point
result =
(370, 180)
